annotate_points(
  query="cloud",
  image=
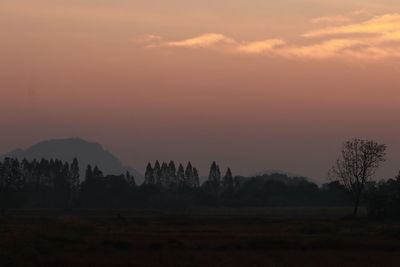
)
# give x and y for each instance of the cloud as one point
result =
(203, 41)
(331, 19)
(260, 47)
(224, 43)
(374, 39)
(378, 25)
(324, 50)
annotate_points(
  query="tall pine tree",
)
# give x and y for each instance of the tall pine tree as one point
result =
(189, 175)
(180, 176)
(172, 173)
(227, 181)
(149, 175)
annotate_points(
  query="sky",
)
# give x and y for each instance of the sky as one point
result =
(253, 85)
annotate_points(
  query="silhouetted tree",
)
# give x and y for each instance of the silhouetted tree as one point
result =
(215, 175)
(189, 175)
(130, 179)
(26, 170)
(227, 181)
(236, 181)
(157, 172)
(74, 180)
(89, 172)
(164, 178)
(149, 175)
(383, 199)
(180, 176)
(75, 172)
(196, 178)
(62, 191)
(97, 173)
(356, 165)
(172, 173)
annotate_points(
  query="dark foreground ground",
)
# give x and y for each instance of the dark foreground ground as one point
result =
(197, 240)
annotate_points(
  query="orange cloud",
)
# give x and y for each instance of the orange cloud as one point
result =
(260, 47)
(324, 50)
(203, 41)
(220, 41)
(378, 25)
(382, 41)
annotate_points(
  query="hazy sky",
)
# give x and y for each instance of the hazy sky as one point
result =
(251, 84)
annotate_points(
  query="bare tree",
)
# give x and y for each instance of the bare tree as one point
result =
(356, 166)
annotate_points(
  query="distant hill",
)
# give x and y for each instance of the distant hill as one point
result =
(86, 153)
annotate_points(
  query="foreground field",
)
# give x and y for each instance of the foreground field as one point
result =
(197, 241)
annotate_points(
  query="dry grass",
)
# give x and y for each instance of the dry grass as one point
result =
(197, 241)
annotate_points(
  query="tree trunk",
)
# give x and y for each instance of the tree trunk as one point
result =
(356, 204)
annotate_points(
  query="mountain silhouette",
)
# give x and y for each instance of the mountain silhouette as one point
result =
(68, 149)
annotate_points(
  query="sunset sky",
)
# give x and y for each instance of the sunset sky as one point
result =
(254, 84)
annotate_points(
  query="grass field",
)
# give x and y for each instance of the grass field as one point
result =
(197, 240)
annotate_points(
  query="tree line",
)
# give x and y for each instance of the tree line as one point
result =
(168, 175)
(56, 184)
